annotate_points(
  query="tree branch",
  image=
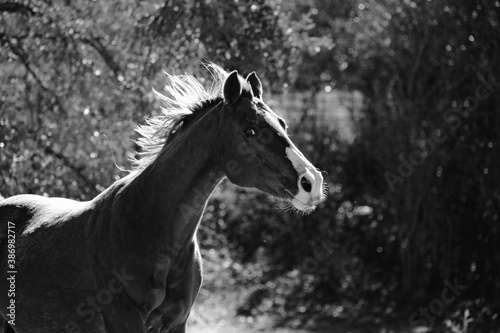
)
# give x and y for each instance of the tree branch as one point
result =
(90, 185)
(103, 52)
(23, 57)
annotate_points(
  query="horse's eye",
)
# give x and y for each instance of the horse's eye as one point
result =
(250, 132)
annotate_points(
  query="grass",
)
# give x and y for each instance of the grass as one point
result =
(215, 310)
(215, 313)
(227, 286)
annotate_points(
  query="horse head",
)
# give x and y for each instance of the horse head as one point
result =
(256, 150)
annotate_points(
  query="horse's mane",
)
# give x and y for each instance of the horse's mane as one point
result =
(185, 97)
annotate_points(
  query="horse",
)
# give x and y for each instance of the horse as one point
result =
(128, 261)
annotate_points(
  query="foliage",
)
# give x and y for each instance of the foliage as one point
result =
(425, 94)
(77, 74)
(410, 102)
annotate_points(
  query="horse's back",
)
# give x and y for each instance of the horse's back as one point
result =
(25, 210)
(14, 210)
(41, 223)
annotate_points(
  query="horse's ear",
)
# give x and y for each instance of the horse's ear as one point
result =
(255, 83)
(232, 88)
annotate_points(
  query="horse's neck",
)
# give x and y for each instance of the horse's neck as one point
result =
(164, 202)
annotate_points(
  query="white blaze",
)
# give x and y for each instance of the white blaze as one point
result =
(303, 200)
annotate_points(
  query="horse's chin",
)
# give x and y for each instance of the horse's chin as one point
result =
(293, 201)
(301, 207)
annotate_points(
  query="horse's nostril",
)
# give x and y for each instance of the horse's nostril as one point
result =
(306, 184)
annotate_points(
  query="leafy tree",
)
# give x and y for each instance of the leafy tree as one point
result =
(76, 78)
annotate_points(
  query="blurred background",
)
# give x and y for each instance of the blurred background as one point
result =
(397, 101)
